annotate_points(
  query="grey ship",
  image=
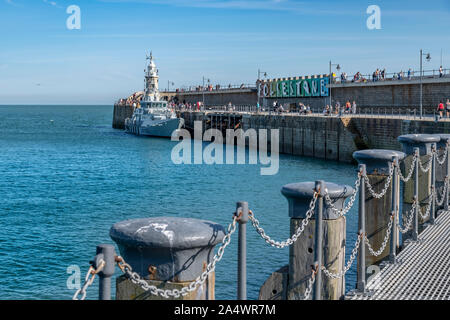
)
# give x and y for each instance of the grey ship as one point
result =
(153, 117)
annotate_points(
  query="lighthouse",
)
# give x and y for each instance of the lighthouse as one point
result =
(151, 81)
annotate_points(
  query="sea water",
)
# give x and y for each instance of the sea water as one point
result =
(66, 177)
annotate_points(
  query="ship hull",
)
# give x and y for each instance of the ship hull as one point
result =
(164, 128)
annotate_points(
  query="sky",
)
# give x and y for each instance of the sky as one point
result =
(226, 41)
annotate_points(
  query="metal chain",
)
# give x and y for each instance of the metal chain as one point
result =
(411, 170)
(385, 241)
(430, 162)
(350, 203)
(409, 220)
(385, 188)
(199, 281)
(427, 211)
(441, 162)
(349, 262)
(297, 233)
(310, 285)
(441, 202)
(88, 280)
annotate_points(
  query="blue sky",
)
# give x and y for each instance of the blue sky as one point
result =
(42, 62)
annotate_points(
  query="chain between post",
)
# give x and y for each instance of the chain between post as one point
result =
(411, 169)
(348, 264)
(408, 225)
(89, 280)
(385, 241)
(350, 203)
(386, 185)
(295, 236)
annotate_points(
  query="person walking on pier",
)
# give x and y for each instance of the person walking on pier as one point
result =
(441, 110)
(354, 107)
(441, 72)
(447, 106)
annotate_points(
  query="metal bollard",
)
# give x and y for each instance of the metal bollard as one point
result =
(394, 210)
(378, 165)
(361, 273)
(424, 143)
(107, 253)
(242, 212)
(303, 253)
(167, 252)
(415, 233)
(433, 185)
(318, 248)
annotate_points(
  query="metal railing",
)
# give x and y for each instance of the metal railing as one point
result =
(394, 76)
(201, 89)
(429, 113)
(105, 260)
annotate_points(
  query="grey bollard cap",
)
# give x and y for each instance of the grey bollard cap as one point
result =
(443, 139)
(421, 141)
(299, 196)
(377, 161)
(179, 248)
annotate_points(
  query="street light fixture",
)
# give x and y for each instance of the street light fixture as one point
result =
(338, 67)
(259, 84)
(428, 58)
(203, 91)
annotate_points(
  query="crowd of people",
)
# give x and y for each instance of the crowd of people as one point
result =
(444, 109)
(380, 74)
(338, 110)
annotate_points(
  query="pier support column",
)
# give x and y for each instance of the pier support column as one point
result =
(424, 142)
(378, 211)
(302, 252)
(168, 253)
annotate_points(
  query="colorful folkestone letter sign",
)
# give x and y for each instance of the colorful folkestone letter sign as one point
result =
(317, 87)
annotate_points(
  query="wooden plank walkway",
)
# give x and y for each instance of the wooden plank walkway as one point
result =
(423, 271)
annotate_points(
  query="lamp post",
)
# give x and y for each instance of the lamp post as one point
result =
(428, 57)
(203, 91)
(259, 84)
(338, 67)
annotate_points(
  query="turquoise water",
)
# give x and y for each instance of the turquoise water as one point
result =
(66, 176)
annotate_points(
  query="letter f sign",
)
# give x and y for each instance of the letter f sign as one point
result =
(74, 20)
(374, 20)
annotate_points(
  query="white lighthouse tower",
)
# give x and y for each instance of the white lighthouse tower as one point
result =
(151, 90)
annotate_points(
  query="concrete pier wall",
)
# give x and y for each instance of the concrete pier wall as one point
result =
(120, 113)
(330, 138)
(389, 94)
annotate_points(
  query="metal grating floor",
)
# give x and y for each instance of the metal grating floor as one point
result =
(423, 272)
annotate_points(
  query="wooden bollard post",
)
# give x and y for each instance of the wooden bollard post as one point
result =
(301, 253)
(378, 211)
(424, 143)
(441, 169)
(168, 253)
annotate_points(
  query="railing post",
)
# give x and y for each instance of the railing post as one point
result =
(320, 188)
(433, 183)
(242, 211)
(415, 233)
(361, 284)
(106, 253)
(394, 209)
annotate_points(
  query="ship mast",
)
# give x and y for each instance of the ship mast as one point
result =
(151, 80)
